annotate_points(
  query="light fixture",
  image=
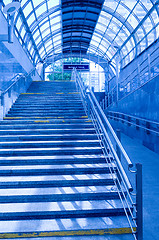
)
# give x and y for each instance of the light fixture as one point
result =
(10, 10)
(12, 7)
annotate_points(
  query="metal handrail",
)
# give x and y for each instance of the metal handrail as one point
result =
(7, 89)
(15, 82)
(103, 130)
(138, 118)
(105, 123)
(130, 165)
(129, 186)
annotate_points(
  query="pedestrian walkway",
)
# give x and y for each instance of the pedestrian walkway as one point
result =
(150, 160)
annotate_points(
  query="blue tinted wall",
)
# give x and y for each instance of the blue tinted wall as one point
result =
(143, 102)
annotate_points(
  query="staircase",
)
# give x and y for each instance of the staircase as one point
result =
(54, 179)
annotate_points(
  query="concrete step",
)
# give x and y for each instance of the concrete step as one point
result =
(46, 121)
(49, 144)
(46, 113)
(62, 214)
(41, 108)
(71, 117)
(54, 160)
(55, 171)
(46, 125)
(40, 131)
(50, 151)
(48, 104)
(61, 197)
(56, 183)
(48, 137)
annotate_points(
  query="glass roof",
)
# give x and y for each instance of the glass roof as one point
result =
(126, 27)
(43, 19)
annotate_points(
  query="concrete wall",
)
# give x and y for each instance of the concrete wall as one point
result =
(143, 102)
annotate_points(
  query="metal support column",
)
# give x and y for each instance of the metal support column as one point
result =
(118, 133)
(117, 77)
(139, 202)
(149, 66)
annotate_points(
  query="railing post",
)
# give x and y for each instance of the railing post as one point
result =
(118, 133)
(139, 202)
(2, 99)
(88, 106)
(148, 127)
(139, 76)
(149, 66)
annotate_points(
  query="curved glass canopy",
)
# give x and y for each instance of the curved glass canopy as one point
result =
(124, 27)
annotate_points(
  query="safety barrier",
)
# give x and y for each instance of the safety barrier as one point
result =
(20, 83)
(110, 143)
(145, 71)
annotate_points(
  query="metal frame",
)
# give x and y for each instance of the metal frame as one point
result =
(148, 126)
(132, 202)
(142, 74)
(133, 32)
(128, 52)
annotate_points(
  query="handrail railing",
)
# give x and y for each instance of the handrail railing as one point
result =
(107, 136)
(10, 94)
(145, 124)
(130, 165)
(18, 76)
(95, 106)
(144, 71)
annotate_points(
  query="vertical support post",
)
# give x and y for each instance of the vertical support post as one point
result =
(2, 99)
(118, 133)
(88, 105)
(10, 20)
(62, 67)
(149, 66)
(98, 75)
(117, 76)
(89, 72)
(53, 69)
(139, 79)
(139, 202)
(148, 126)
(103, 104)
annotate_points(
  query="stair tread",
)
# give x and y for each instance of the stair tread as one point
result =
(57, 177)
(54, 157)
(64, 166)
(52, 165)
(57, 183)
(47, 149)
(61, 206)
(47, 144)
(67, 224)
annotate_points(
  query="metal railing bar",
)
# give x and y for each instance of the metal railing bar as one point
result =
(97, 126)
(138, 87)
(112, 131)
(138, 118)
(112, 149)
(21, 76)
(125, 193)
(146, 129)
(121, 188)
(7, 89)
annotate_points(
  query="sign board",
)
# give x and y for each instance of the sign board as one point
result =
(83, 67)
